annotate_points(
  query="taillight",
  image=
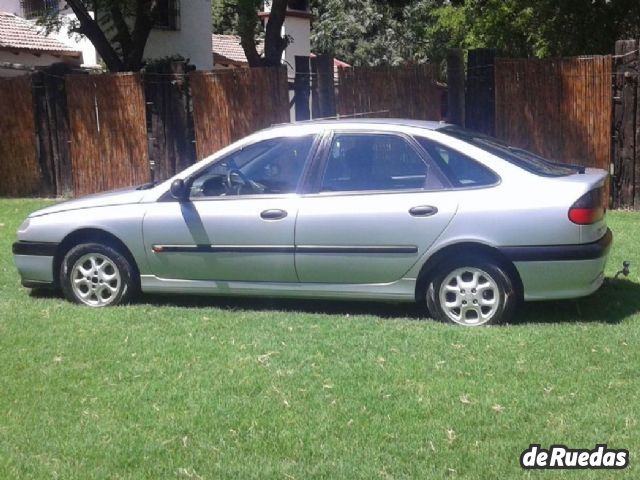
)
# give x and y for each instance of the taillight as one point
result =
(589, 208)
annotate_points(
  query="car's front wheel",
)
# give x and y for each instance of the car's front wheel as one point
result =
(471, 292)
(96, 275)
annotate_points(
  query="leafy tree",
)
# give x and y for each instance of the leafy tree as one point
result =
(118, 29)
(241, 17)
(249, 26)
(375, 32)
(224, 16)
(526, 28)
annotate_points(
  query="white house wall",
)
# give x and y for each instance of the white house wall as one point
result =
(11, 6)
(26, 59)
(192, 40)
(299, 29)
(78, 42)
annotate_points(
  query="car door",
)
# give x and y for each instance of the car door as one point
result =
(238, 224)
(377, 207)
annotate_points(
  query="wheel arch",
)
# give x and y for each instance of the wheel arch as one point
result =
(444, 255)
(91, 235)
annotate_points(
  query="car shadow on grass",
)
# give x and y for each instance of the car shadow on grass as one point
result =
(233, 303)
(321, 307)
(617, 300)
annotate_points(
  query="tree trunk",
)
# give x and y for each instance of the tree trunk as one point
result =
(132, 43)
(274, 43)
(90, 28)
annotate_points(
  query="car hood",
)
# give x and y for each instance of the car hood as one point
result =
(115, 197)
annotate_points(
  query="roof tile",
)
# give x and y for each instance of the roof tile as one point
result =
(17, 33)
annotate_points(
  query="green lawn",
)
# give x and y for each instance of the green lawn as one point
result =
(211, 388)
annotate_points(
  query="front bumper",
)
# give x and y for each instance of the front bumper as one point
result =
(34, 261)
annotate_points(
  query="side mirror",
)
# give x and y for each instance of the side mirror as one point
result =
(179, 190)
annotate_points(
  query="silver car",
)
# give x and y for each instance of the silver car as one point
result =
(389, 210)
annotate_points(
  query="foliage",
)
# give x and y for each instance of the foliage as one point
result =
(167, 64)
(359, 32)
(188, 388)
(118, 29)
(240, 17)
(373, 32)
(225, 16)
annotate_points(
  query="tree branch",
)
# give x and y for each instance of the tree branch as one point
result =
(145, 17)
(123, 37)
(247, 28)
(90, 28)
(274, 43)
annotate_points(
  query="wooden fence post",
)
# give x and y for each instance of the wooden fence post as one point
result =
(302, 88)
(169, 120)
(455, 81)
(626, 127)
(52, 127)
(480, 103)
(325, 93)
(47, 156)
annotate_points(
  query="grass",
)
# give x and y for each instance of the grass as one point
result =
(190, 388)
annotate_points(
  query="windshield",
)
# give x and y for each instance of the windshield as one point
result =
(517, 156)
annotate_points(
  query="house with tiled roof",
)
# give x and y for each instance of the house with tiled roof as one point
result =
(228, 53)
(183, 28)
(24, 44)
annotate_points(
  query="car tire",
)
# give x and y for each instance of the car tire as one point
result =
(471, 292)
(97, 275)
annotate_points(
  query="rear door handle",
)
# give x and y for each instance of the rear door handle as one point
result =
(273, 214)
(423, 211)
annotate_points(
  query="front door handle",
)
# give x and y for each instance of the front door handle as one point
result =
(423, 211)
(273, 214)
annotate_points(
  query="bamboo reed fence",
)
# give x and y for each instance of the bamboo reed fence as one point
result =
(560, 109)
(108, 131)
(396, 92)
(20, 172)
(228, 105)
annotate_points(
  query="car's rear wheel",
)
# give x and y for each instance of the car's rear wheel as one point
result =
(96, 275)
(471, 292)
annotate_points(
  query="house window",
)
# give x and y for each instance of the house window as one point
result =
(168, 15)
(35, 8)
(302, 5)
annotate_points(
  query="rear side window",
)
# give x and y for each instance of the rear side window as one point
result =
(361, 162)
(461, 170)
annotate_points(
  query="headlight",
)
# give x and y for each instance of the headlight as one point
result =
(23, 227)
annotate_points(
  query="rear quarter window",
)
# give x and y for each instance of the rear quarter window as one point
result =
(517, 156)
(462, 171)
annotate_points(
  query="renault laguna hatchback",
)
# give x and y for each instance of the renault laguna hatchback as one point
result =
(375, 210)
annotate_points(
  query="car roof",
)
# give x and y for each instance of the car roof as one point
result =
(426, 124)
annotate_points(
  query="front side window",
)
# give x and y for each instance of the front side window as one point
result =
(268, 167)
(360, 162)
(461, 170)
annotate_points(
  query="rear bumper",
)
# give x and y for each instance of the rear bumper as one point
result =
(554, 253)
(561, 271)
(34, 261)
